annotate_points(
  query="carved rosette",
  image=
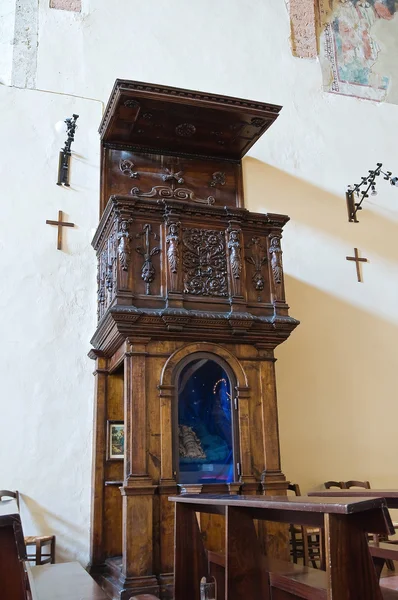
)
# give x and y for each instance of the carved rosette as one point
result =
(204, 262)
(123, 248)
(276, 263)
(173, 252)
(235, 259)
(257, 258)
(148, 272)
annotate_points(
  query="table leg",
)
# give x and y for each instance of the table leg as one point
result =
(245, 573)
(190, 562)
(349, 565)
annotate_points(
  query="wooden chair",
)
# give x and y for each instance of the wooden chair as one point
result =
(346, 485)
(37, 541)
(305, 542)
(334, 484)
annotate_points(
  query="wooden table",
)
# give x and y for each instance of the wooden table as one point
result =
(350, 573)
(391, 496)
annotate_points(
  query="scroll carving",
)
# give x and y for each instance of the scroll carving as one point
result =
(204, 262)
(163, 191)
(276, 258)
(148, 270)
(123, 249)
(258, 258)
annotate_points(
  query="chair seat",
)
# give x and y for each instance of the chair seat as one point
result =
(43, 539)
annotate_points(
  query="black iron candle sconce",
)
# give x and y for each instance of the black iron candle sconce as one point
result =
(357, 193)
(65, 153)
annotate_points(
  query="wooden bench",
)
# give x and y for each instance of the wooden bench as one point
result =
(350, 573)
(19, 581)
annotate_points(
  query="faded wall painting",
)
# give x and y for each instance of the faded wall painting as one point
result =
(353, 45)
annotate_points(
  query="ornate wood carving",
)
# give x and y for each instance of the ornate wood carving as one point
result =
(173, 177)
(148, 270)
(173, 252)
(172, 282)
(276, 258)
(235, 259)
(123, 249)
(161, 191)
(186, 130)
(126, 167)
(204, 262)
(258, 258)
(218, 178)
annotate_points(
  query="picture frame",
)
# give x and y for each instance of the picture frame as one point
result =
(115, 440)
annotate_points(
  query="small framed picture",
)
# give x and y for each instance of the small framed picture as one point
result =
(115, 440)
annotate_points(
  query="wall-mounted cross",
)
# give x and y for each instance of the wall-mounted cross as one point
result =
(60, 223)
(357, 260)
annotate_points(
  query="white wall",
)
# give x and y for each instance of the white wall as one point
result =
(337, 375)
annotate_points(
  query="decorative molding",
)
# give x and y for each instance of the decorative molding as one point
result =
(204, 262)
(161, 191)
(185, 130)
(276, 257)
(126, 167)
(123, 248)
(258, 258)
(148, 270)
(218, 178)
(122, 85)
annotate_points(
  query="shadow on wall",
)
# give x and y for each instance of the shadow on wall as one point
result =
(49, 523)
(337, 375)
(319, 209)
(337, 386)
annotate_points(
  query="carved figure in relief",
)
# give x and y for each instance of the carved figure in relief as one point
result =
(276, 258)
(173, 252)
(123, 248)
(258, 258)
(235, 253)
(189, 443)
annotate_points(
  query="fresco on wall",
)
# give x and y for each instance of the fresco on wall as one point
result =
(348, 48)
(353, 44)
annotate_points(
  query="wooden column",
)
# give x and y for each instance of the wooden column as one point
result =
(99, 453)
(137, 492)
(273, 536)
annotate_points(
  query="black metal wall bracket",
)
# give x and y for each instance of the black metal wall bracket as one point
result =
(65, 153)
(355, 195)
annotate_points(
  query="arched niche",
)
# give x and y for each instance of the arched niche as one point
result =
(223, 365)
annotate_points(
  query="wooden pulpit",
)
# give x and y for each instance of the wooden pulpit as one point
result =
(191, 305)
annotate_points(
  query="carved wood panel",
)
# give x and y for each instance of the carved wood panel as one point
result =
(157, 176)
(204, 262)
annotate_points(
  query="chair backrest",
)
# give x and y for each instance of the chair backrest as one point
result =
(294, 487)
(361, 484)
(4, 494)
(335, 484)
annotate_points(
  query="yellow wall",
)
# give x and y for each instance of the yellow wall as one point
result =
(337, 374)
